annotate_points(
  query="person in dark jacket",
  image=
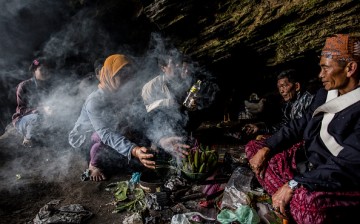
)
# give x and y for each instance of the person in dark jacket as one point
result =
(311, 166)
(31, 107)
(295, 102)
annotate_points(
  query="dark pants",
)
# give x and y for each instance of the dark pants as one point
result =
(108, 160)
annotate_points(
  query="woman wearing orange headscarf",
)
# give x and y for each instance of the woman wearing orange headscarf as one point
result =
(98, 116)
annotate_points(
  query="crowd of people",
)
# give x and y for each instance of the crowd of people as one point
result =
(309, 161)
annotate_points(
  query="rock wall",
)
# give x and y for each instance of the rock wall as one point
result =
(279, 30)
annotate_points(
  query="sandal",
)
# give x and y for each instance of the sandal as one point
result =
(86, 175)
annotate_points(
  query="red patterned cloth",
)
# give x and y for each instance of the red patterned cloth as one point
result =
(343, 47)
(306, 207)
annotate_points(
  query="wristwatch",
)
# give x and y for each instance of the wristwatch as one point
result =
(293, 184)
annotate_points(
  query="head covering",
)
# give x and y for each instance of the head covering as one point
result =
(49, 63)
(111, 66)
(342, 47)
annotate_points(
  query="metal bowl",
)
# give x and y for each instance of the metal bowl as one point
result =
(151, 181)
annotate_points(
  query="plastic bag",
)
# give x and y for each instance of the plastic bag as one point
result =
(243, 214)
(237, 189)
(190, 217)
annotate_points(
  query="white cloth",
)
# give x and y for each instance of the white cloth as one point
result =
(156, 93)
(333, 105)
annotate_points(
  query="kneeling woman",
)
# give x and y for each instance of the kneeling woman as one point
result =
(99, 118)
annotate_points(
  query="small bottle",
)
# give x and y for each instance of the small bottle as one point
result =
(189, 101)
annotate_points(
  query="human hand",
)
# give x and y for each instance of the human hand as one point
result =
(142, 153)
(260, 137)
(281, 199)
(47, 110)
(258, 161)
(250, 129)
(192, 105)
(175, 145)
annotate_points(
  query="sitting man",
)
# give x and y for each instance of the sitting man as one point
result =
(295, 102)
(322, 185)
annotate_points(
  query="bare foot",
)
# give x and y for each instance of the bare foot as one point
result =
(96, 174)
(27, 143)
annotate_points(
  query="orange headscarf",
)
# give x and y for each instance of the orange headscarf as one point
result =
(342, 47)
(112, 65)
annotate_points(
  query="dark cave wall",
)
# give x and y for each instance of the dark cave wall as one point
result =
(253, 40)
(280, 31)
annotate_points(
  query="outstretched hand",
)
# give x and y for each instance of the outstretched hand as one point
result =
(144, 156)
(175, 145)
(250, 129)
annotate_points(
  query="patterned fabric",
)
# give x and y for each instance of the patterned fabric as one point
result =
(302, 102)
(306, 207)
(324, 207)
(279, 171)
(342, 47)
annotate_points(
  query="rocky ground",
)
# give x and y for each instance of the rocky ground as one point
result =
(32, 177)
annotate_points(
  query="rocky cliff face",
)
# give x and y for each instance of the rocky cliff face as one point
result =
(279, 31)
(253, 39)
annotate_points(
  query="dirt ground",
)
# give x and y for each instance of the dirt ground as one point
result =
(32, 177)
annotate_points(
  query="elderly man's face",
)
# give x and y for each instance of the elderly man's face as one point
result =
(333, 75)
(287, 89)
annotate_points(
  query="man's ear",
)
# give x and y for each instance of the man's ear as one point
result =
(297, 86)
(351, 68)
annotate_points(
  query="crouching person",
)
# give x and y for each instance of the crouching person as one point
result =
(98, 122)
(31, 109)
